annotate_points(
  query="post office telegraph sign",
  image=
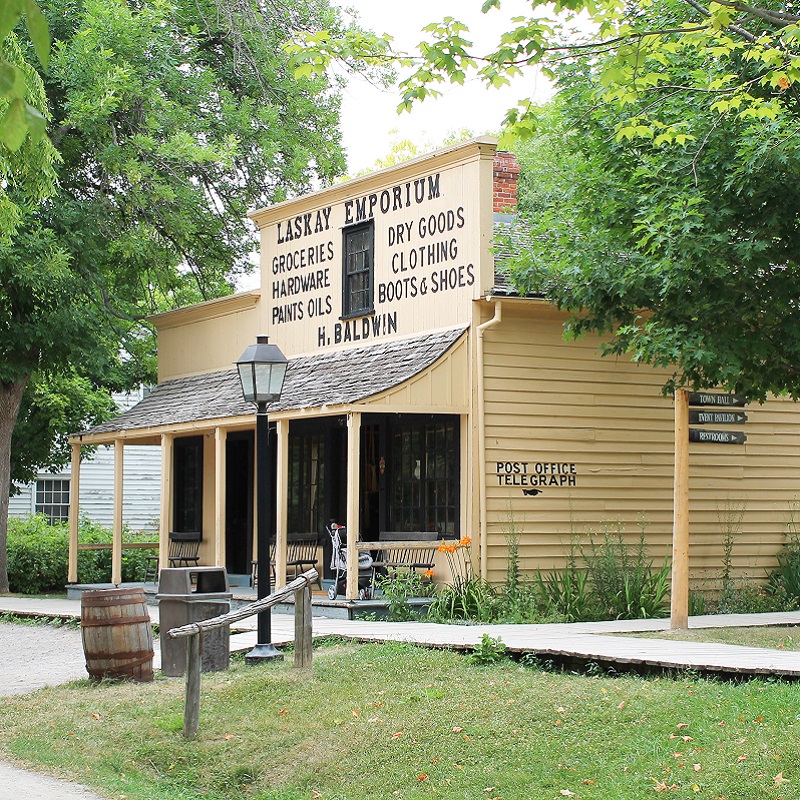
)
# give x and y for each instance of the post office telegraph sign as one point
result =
(534, 476)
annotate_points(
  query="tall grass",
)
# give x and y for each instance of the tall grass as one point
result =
(567, 593)
(623, 579)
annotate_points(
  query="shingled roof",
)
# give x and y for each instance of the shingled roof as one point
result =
(326, 379)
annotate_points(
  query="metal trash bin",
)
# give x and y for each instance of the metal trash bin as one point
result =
(179, 605)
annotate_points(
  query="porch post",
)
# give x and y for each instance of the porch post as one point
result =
(353, 492)
(74, 513)
(282, 502)
(165, 519)
(220, 438)
(116, 540)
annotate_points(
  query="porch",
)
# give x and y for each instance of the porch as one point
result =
(397, 459)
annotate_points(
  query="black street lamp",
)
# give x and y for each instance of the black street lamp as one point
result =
(262, 369)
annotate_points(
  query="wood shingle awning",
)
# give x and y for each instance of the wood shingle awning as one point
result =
(333, 378)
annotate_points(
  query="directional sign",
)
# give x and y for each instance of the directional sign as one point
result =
(716, 399)
(717, 417)
(716, 437)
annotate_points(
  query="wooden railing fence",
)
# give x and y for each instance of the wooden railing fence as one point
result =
(300, 587)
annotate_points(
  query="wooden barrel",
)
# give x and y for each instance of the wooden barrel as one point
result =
(116, 633)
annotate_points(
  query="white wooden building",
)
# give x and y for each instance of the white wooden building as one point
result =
(49, 495)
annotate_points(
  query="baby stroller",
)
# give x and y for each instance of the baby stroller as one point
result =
(338, 536)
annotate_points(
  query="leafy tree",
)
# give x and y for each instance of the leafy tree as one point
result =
(170, 119)
(17, 80)
(402, 150)
(685, 257)
(26, 168)
(747, 55)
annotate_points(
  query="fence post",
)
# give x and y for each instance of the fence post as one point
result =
(300, 587)
(302, 627)
(191, 709)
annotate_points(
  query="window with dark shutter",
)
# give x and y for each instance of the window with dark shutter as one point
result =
(359, 270)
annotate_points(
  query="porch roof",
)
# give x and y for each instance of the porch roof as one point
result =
(326, 379)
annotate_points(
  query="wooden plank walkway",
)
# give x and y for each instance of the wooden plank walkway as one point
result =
(585, 641)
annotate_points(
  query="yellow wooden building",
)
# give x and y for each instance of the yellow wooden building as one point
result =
(422, 394)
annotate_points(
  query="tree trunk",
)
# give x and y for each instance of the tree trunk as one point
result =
(10, 399)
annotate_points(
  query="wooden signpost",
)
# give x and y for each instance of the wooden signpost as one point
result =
(679, 594)
(679, 598)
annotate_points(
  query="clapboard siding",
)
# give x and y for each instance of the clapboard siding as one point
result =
(141, 487)
(549, 401)
(22, 503)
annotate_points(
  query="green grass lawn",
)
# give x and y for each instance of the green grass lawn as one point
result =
(394, 721)
(777, 637)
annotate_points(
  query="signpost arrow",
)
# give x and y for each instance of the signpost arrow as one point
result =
(716, 437)
(717, 417)
(716, 399)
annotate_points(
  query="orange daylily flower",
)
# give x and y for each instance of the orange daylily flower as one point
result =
(466, 541)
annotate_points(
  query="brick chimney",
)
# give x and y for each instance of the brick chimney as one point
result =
(506, 171)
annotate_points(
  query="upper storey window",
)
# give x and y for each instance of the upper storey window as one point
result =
(359, 270)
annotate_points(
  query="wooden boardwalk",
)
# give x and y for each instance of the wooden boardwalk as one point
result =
(580, 642)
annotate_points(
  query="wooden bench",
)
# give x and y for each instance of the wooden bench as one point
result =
(184, 547)
(406, 550)
(301, 555)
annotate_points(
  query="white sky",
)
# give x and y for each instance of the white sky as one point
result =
(370, 122)
(369, 114)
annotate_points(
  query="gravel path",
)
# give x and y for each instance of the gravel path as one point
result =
(35, 656)
(39, 655)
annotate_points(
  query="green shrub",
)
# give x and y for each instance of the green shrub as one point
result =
(787, 573)
(473, 599)
(397, 587)
(623, 581)
(782, 591)
(488, 651)
(746, 597)
(38, 555)
(517, 601)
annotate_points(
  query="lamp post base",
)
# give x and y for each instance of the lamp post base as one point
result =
(263, 652)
